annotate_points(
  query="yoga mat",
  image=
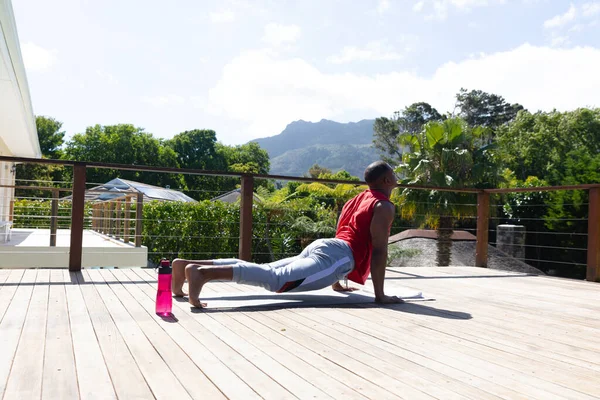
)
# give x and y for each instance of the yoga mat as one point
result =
(323, 297)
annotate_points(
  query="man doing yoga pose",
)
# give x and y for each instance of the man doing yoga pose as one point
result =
(359, 247)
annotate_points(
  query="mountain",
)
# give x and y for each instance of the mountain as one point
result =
(330, 144)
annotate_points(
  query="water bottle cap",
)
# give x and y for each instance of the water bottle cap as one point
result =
(165, 267)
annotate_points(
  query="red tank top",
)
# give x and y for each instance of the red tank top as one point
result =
(354, 227)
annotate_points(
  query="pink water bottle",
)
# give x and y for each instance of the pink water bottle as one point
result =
(164, 298)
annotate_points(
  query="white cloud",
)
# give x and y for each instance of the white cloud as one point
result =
(563, 19)
(277, 34)
(160, 101)
(418, 6)
(590, 9)
(106, 76)
(265, 92)
(383, 6)
(219, 17)
(440, 8)
(558, 41)
(373, 51)
(37, 58)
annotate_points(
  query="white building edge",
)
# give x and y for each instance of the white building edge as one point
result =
(18, 133)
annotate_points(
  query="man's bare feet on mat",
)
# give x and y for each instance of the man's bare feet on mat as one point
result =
(180, 293)
(196, 279)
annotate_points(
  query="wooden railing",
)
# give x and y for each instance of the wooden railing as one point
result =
(247, 188)
(114, 217)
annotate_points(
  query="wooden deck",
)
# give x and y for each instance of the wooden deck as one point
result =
(486, 335)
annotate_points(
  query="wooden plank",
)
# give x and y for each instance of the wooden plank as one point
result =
(494, 312)
(293, 362)
(25, 379)
(434, 380)
(161, 380)
(191, 377)
(531, 346)
(59, 377)
(533, 300)
(260, 382)
(506, 370)
(200, 351)
(331, 362)
(393, 347)
(380, 372)
(547, 330)
(260, 360)
(390, 372)
(92, 374)
(10, 282)
(577, 378)
(494, 379)
(117, 357)
(14, 301)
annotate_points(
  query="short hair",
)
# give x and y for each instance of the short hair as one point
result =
(375, 171)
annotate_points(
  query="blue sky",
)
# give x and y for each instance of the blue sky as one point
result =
(248, 68)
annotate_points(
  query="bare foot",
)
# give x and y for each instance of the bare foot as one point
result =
(196, 279)
(178, 277)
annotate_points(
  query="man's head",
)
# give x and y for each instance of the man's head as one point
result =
(380, 176)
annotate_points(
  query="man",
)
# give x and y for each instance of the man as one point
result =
(359, 247)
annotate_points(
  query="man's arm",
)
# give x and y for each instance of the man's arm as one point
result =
(383, 215)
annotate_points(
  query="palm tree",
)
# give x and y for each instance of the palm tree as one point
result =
(446, 154)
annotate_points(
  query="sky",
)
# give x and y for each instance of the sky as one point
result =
(248, 68)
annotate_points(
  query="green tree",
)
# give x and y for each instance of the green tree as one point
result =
(487, 110)
(123, 144)
(411, 120)
(198, 149)
(50, 136)
(447, 155)
(246, 154)
(540, 144)
(51, 139)
(316, 170)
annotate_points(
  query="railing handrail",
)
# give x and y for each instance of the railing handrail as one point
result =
(190, 171)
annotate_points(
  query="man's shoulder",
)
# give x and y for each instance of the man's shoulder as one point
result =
(384, 209)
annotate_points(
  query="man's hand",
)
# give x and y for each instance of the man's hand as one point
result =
(339, 288)
(388, 300)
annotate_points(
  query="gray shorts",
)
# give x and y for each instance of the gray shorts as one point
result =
(321, 264)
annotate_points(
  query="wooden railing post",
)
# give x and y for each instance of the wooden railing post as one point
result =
(53, 217)
(138, 219)
(593, 246)
(126, 216)
(118, 210)
(105, 218)
(483, 224)
(247, 196)
(77, 209)
(111, 219)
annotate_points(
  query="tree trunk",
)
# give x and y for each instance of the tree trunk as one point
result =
(444, 242)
